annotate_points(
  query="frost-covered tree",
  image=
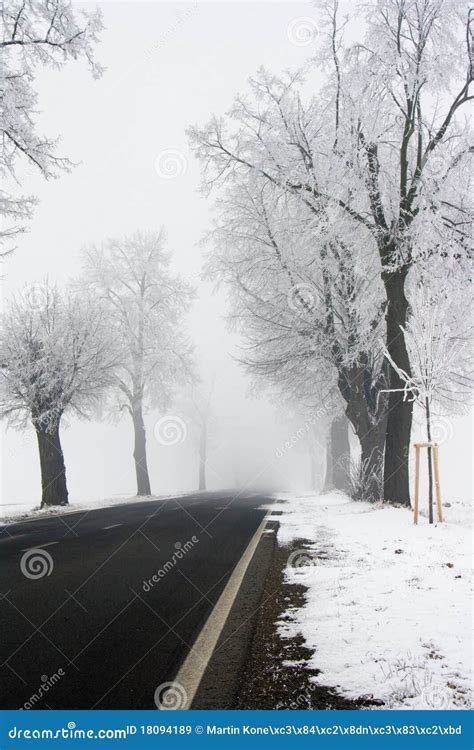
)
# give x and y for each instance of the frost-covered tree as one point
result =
(338, 455)
(377, 151)
(197, 406)
(35, 33)
(439, 337)
(57, 357)
(403, 92)
(303, 297)
(145, 304)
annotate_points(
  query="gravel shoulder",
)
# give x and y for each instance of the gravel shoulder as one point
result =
(276, 675)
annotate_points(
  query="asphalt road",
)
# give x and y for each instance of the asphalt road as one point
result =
(92, 628)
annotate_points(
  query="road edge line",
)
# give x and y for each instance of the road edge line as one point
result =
(192, 670)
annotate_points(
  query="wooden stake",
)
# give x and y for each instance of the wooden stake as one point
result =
(439, 506)
(437, 483)
(417, 482)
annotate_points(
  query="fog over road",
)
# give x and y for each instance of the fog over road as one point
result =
(94, 623)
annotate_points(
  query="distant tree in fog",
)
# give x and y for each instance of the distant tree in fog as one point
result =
(197, 406)
(35, 33)
(320, 418)
(56, 357)
(145, 305)
(303, 296)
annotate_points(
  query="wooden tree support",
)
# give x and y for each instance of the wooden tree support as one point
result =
(434, 447)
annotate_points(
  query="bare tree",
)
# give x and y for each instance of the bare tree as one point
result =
(57, 357)
(145, 305)
(35, 33)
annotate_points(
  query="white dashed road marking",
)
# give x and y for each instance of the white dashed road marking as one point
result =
(112, 526)
(39, 546)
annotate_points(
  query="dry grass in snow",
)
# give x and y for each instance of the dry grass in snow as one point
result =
(388, 608)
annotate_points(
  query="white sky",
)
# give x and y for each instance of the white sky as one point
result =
(169, 65)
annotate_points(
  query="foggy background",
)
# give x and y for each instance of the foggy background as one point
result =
(168, 65)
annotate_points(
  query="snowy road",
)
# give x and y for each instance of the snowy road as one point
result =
(99, 608)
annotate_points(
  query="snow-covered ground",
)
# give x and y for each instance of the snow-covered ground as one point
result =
(16, 512)
(388, 608)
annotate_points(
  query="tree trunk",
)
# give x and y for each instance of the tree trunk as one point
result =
(369, 425)
(400, 412)
(202, 457)
(328, 479)
(313, 469)
(337, 456)
(53, 470)
(139, 452)
(341, 453)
